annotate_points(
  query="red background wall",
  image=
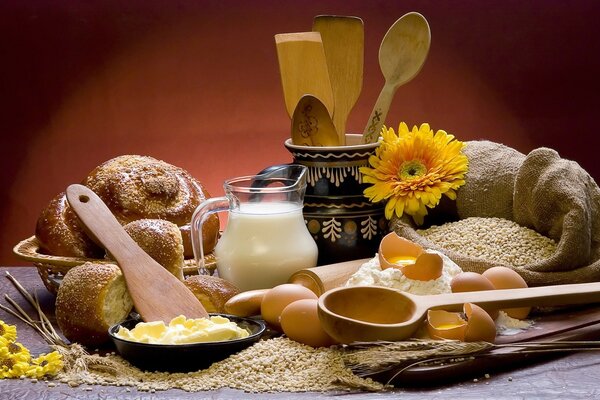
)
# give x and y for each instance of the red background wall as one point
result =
(196, 83)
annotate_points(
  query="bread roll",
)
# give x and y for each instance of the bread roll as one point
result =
(136, 187)
(213, 292)
(161, 240)
(59, 232)
(133, 188)
(90, 299)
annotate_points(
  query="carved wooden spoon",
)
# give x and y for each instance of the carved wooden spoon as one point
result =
(401, 55)
(312, 125)
(156, 293)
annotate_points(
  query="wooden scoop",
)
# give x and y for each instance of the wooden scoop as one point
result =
(156, 293)
(370, 313)
(312, 125)
(303, 69)
(402, 53)
(344, 41)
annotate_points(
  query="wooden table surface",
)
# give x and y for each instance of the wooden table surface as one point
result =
(571, 376)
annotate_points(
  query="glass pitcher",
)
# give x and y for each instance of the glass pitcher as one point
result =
(265, 240)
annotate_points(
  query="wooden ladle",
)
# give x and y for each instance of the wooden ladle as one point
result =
(157, 294)
(370, 313)
(402, 53)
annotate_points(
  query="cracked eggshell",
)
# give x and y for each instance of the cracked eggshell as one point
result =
(446, 325)
(407, 256)
(480, 326)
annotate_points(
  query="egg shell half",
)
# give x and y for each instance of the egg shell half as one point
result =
(480, 326)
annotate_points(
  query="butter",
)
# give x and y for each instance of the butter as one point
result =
(183, 331)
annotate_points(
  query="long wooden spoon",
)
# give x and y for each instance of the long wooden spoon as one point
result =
(344, 41)
(401, 55)
(156, 293)
(303, 69)
(312, 125)
(370, 313)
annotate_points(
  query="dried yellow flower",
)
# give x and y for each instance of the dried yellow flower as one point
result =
(8, 332)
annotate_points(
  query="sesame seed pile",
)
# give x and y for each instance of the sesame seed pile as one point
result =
(492, 239)
(272, 365)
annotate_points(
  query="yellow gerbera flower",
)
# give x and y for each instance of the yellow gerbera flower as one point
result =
(413, 169)
(45, 364)
(8, 332)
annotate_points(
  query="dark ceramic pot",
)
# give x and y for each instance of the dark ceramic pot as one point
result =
(343, 222)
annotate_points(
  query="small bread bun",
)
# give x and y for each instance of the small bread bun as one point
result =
(90, 299)
(213, 292)
(60, 233)
(161, 240)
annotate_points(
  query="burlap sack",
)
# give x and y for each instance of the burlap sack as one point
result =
(541, 191)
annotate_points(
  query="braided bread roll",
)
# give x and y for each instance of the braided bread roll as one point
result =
(60, 233)
(133, 187)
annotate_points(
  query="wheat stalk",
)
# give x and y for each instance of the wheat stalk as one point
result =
(370, 358)
(43, 325)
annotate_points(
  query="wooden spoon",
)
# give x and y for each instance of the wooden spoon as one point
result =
(156, 293)
(303, 69)
(312, 125)
(370, 313)
(401, 55)
(344, 41)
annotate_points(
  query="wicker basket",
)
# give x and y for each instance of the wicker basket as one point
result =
(52, 268)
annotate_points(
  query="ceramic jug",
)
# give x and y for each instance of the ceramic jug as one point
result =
(265, 240)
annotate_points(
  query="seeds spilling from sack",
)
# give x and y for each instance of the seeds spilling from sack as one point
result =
(492, 239)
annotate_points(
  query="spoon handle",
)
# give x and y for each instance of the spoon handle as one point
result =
(378, 115)
(581, 293)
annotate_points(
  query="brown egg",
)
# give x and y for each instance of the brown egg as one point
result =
(409, 257)
(278, 298)
(506, 278)
(300, 322)
(472, 282)
(480, 326)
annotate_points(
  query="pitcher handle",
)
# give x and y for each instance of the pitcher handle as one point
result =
(202, 212)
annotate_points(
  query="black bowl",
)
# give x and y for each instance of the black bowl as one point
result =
(183, 357)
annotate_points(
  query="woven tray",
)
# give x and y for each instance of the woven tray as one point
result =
(52, 268)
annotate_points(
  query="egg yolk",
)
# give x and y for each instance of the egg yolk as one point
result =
(402, 260)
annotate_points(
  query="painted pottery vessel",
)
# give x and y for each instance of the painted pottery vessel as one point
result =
(343, 222)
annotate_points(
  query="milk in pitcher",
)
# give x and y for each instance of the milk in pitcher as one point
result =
(264, 243)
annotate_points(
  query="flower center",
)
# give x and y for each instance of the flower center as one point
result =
(412, 169)
(44, 363)
(13, 348)
(8, 363)
(2, 331)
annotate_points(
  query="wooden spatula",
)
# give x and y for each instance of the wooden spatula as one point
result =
(156, 293)
(344, 41)
(303, 69)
